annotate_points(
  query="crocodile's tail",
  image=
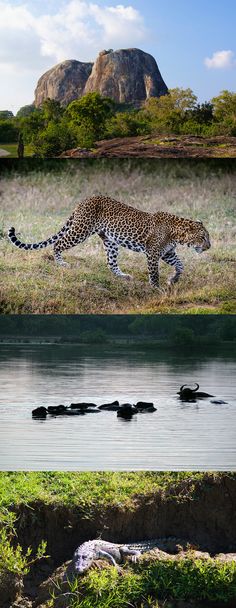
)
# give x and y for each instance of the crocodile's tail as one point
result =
(50, 241)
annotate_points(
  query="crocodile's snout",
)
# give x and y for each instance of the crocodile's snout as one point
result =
(83, 562)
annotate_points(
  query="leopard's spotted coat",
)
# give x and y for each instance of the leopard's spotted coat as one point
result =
(117, 224)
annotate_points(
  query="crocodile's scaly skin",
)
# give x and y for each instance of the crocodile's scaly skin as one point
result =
(116, 553)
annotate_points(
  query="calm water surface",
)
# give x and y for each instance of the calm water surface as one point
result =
(178, 436)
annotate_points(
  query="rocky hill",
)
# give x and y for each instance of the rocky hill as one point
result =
(64, 82)
(127, 76)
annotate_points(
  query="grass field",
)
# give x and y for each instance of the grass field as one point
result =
(37, 203)
(12, 150)
(87, 489)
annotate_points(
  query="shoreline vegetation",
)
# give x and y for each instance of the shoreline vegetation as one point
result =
(152, 331)
(226, 346)
(54, 512)
(38, 197)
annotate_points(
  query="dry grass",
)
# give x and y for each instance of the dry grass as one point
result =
(38, 202)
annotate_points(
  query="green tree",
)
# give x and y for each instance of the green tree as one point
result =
(88, 116)
(51, 110)
(224, 110)
(32, 125)
(8, 131)
(202, 113)
(6, 114)
(52, 140)
(168, 112)
(26, 111)
(127, 124)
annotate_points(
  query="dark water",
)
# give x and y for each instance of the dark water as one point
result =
(178, 436)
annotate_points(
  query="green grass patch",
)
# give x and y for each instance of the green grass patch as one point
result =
(12, 149)
(87, 489)
(139, 586)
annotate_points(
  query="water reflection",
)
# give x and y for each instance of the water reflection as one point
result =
(179, 435)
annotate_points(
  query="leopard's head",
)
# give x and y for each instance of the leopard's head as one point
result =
(196, 236)
(199, 238)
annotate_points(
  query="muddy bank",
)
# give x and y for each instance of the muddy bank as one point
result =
(150, 146)
(41, 585)
(201, 512)
(205, 516)
(58, 585)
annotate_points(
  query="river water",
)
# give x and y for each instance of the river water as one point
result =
(178, 436)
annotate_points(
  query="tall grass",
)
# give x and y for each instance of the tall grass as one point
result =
(38, 202)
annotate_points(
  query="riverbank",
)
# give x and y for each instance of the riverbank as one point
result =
(224, 346)
(67, 509)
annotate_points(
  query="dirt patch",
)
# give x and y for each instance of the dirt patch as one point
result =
(58, 585)
(149, 146)
(4, 152)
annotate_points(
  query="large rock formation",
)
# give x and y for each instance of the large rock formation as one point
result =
(64, 82)
(127, 76)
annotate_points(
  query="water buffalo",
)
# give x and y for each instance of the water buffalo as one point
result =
(144, 406)
(126, 410)
(81, 406)
(110, 407)
(191, 394)
(40, 412)
(57, 410)
(82, 411)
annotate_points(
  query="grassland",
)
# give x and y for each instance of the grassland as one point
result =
(187, 579)
(12, 150)
(38, 201)
(87, 489)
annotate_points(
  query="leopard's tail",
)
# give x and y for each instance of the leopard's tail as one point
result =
(50, 241)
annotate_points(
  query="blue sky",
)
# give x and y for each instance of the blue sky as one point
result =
(192, 41)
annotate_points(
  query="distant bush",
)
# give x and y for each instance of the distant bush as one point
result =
(53, 140)
(8, 132)
(127, 124)
(6, 114)
(26, 111)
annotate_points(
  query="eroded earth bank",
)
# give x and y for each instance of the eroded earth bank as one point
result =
(192, 516)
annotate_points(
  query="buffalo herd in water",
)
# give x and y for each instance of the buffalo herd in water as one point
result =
(125, 410)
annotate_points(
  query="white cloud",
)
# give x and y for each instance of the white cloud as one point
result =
(221, 60)
(77, 30)
(119, 25)
(31, 43)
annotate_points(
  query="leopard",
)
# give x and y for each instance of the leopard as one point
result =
(118, 224)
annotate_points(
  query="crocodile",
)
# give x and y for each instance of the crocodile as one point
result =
(117, 553)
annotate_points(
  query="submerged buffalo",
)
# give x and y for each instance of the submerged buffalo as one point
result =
(144, 406)
(40, 413)
(191, 394)
(110, 407)
(82, 406)
(57, 410)
(126, 410)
